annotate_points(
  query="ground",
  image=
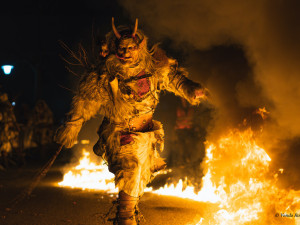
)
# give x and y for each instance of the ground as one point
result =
(53, 205)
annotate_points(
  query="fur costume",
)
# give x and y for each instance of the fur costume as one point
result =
(123, 95)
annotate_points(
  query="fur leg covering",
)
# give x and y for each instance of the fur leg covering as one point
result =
(126, 209)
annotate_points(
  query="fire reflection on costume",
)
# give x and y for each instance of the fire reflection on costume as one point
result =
(126, 91)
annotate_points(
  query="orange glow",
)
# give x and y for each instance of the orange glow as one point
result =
(88, 175)
(85, 142)
(237, 179)
(262, 112)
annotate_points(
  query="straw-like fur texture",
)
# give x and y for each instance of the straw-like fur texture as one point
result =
(131, 163)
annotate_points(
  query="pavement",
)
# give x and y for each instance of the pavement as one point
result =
(54, 205)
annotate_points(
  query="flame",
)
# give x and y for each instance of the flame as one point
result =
(88, 175)
(237, 179)
(247, 192)
(262, 112)
(281, 170)
(206, 194)
(85, 142)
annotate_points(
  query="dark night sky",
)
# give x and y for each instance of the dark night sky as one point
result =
(29, 40)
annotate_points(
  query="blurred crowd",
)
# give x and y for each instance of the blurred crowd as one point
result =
(23, 131)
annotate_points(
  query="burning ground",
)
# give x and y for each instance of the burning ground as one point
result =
(238, 186)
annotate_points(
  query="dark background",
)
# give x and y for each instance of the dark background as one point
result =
(30, 32)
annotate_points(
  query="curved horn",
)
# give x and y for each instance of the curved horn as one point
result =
(135, 28)
(114, 28)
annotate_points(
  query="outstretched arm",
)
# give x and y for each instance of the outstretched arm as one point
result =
(182, 86)
(85, 104)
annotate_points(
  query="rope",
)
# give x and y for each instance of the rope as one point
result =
(27, 192)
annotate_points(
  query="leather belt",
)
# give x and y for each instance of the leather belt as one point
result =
(141, 123)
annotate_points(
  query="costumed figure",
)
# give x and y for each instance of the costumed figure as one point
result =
(104, 51)
(9, 130)
(184, 144)
(126, 92)
(41, 123)
(185, 131)
(188, 147)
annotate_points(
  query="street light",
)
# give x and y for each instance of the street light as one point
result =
(7, 69)
(19, 66)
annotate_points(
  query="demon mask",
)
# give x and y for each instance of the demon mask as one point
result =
(127, 43)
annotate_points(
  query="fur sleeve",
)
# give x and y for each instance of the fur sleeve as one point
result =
(91, 95)
(179, 84)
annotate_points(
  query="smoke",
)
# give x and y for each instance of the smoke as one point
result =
(246, 52)
(266, 30)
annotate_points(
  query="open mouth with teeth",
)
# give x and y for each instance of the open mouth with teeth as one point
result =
(124, 59)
